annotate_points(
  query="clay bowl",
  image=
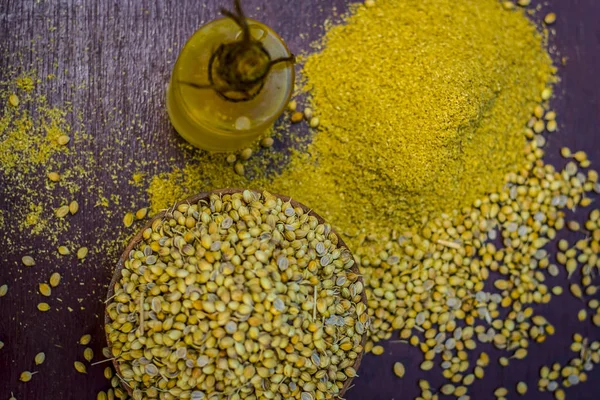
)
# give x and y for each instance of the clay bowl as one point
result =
(195, 199)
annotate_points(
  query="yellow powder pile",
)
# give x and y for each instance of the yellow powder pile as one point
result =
(423, 106)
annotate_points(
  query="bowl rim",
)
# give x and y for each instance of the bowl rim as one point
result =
(133, 242)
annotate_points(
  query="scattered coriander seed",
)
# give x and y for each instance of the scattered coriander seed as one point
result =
(314, 122)
(539, 111)
(580, 156)
(521, 388)
(520, 354)
(551, 126)
(141, 213)
(524, 3)
(28, 261)
(88, 354)
(108, 373)
(45, 290)
(85, 340)
(128, 219)
(308, 113)
(54, 176)
(80, 367)
(582, 315)
(539, 126)
(62, 211)
(426, 365)
(500, 392)
(82, 253)
(63, 250)
(3, 290)
(43, 307)
(1, 344)
(13, 99)
(508, 5)
(246, 154)
(39, 358)
(566, 152)
(54, 279)
(63, 140)
(297, 117)
(101, 396)
(483, 360)
(546, 94)
(447, 389)
(399, 370)
(557, 290)
(239, 169)
(12, 396)
(503, 361)
(26, 376)
(550, 18)
(559, 394)
(267, 142)
(73, 207)
(292, 105)
(573, 226)
(576, 290)
(231, 158)
(377, 350)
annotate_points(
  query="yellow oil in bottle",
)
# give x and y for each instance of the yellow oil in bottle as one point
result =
(205, 118)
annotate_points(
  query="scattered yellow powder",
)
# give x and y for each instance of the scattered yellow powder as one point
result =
(26, 82)
(29, 138)
(34, 222)
(29, 149)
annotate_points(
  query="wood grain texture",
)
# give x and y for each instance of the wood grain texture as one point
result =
(113, 59)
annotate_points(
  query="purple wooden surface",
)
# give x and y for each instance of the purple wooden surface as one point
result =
(123, 51)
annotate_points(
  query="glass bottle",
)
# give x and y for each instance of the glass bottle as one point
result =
(207, 119)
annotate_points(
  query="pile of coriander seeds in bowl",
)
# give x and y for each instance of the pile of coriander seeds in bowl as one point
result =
(240, 295)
